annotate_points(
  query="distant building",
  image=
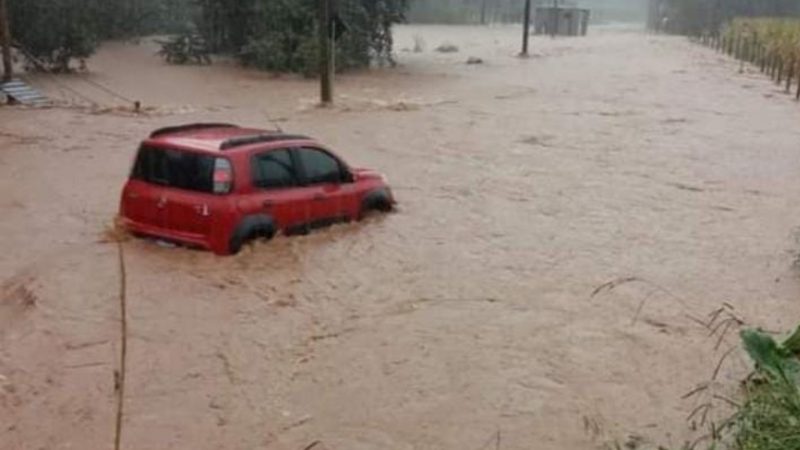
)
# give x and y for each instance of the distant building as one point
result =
(565, 21)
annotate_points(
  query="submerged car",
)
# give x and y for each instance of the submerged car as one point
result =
(218, 186)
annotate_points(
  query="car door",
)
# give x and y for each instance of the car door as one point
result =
(144, 198)
(190, 199)
(327, 177)
(277, 189)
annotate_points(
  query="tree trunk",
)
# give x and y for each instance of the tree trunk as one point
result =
(526, 30)
(5, 41)
(325, 56)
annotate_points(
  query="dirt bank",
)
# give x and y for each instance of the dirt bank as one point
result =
(524, 185)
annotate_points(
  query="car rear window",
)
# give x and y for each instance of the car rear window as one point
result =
(175, 168)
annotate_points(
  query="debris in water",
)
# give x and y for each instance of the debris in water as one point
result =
(447, 48)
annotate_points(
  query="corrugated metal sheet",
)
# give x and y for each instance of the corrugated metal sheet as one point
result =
(23, 93)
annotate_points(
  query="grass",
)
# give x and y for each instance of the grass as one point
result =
(769, 418)
(767, 413)
(778, 36)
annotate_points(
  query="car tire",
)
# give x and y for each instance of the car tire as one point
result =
(249, 229)
(377, 200)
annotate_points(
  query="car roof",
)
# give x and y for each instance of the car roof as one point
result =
(219, 138)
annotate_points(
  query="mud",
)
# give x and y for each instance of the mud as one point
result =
(565, 221)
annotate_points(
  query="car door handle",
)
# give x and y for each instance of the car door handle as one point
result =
(268, 203)
(319, 197)
(202, 210)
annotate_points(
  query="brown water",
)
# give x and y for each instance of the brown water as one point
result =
(524, 185)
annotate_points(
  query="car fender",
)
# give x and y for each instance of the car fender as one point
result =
(255, 225)
(377, 199)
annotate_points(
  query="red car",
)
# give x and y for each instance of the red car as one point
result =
(217, 186)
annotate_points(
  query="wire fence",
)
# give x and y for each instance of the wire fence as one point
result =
(770, 44)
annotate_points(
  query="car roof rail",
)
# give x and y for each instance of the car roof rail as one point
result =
(189, 127)
(240, 141)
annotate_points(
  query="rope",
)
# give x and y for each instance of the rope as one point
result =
(120, 376)
(52, 77)
(108, 90)
(96, 84)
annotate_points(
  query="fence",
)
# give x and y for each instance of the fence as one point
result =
(772, 45)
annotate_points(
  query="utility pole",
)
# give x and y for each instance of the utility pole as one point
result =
(325, 52)
(5, 41)
(556, 20)
(483, 12)
(526, 28)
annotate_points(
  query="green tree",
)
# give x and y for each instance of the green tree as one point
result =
(281, 35)
(55, 31)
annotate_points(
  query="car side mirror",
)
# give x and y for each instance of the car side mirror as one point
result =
(348, 177)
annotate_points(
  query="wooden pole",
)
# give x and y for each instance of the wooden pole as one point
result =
(797, 97)
(483, 12)
(790, 75)
(5, 41)
(325, 66)
(526, 28)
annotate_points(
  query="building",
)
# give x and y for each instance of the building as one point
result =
(566, 21)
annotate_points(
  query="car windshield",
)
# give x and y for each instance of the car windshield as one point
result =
(175, 168)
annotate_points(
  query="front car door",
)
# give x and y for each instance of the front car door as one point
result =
(333, 196)
(277, 189)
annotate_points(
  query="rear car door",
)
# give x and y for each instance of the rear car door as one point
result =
(190, 198)
(144, 198)
(332, 194)
(277, 189)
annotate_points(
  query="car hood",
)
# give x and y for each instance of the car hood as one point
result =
(367, 174)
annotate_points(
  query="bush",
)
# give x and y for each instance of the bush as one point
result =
(55, 31)
(770, 417)
(282, 35)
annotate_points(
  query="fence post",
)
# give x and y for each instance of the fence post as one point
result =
(738, 47)
(797, 97)
(790, 75)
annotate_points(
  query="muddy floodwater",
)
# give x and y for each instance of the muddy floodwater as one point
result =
(565, 223)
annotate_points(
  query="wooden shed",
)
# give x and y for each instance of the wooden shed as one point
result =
(561, 21)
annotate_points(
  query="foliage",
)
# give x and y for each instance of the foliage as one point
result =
(780, 37)
(55, 32)
(770, 417)
(282, 35)
(696, 16)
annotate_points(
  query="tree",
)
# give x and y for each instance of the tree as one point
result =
(281, 35)
(5, 41)
(695, 16)
(55, 31)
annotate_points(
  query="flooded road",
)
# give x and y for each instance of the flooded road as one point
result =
(478, 312)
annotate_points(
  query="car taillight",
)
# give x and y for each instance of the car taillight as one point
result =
(223, 176)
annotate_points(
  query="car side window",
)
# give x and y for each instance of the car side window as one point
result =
(320, 167)
(274, 170)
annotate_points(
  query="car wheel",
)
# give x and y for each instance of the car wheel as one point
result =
(377, 200)
(250, 229)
